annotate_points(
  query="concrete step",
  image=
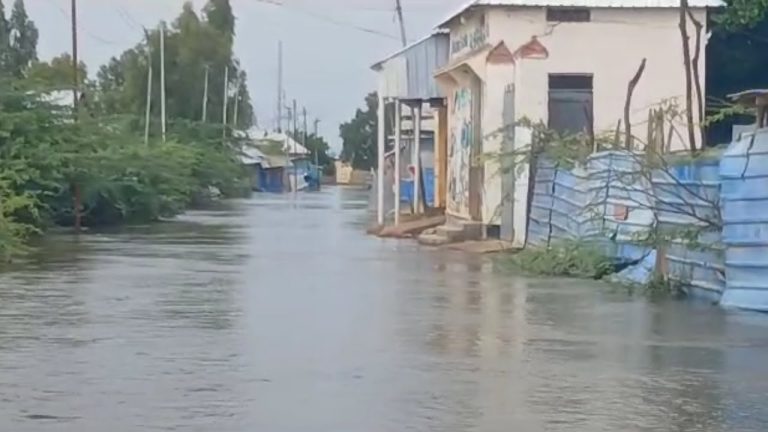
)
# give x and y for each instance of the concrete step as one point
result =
(412, 228)
(428, 239)
(472, 230)
(453, 233)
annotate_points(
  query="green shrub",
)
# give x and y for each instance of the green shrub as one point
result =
(566, 259)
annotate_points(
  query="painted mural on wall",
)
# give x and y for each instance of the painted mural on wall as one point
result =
(460, 151)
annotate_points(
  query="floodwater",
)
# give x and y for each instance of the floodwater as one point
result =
(278, 315)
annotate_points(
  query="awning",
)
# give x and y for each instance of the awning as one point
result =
(474, 61)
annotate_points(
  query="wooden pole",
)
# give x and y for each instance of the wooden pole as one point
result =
(295, 137)
(417, 159)
(226, 102)
(382, 148)
(399, 11)
(75, 62)
(148, 114)
(398, 137)
(317, 156)
(205, 93)
(280, 86)
(236, 110)
(75, 186)
(162, 81)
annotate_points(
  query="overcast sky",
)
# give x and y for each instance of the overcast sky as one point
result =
(326, 58)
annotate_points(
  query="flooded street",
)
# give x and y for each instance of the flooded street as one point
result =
(280, 315)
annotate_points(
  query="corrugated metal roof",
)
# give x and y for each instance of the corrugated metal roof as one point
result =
(585, 3)
(408, 74)
(377, 65)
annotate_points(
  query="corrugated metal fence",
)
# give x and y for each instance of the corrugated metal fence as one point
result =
(617, 203)
(687, 206)
(604, 202)
(744, 176)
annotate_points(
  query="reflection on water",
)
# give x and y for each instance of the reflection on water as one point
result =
(277, 314)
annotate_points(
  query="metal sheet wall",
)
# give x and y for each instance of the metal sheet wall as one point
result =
(687, 207)
(423, 59)
(744, 195)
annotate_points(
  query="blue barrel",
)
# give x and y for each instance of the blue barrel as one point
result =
(744, 199)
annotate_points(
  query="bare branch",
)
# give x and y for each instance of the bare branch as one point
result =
(696, 74)
(688, 78)
(628, 103)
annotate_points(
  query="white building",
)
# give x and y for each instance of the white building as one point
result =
(564, 62)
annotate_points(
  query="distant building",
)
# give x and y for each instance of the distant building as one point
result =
(262, 137)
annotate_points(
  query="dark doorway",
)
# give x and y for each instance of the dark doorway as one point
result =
(571, 103)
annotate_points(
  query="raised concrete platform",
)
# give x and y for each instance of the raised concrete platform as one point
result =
(481, 246)
(456, 231)
(432, 239)
(412, 228)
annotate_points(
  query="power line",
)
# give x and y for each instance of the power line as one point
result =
(127, 18)
(327, 18)
(81, 28)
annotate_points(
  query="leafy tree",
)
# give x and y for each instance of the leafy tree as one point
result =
(57, 73)
(23, 39)
(220, 16)
(359, 135)
(740, 14)
(5, 41)
(192, 45)
(736, 58)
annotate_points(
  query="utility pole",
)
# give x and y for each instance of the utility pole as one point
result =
(280, 92)
(317, 143)
(304, 136)
(399, 10)
(148, 115)
(205, 93)
(304, 115)
(295, 132)
(162, 79)
(75, 62)
(226, 101)
(77, 198)
(295, 121)
(317, 157)
(237, 104)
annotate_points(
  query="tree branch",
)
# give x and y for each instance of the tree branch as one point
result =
(696, 74)
(688, 78)
(628, 103)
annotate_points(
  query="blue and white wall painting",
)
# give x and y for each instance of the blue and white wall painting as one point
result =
(460, 151)
(714, 209)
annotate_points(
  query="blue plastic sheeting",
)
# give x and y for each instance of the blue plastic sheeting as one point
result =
(687, 207)
(539, 222)
(607, 202)
(638, 274)
(407, 191)
(271, 180)
(622, 195)
(744, 195)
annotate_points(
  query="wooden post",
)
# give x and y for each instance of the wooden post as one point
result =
(205, 93)
(441, 153)
(382, 148)
(148, 113)
(162, 80)
(398, 137)
(417, 162)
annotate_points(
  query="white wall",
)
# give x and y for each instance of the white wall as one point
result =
(610, 47)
